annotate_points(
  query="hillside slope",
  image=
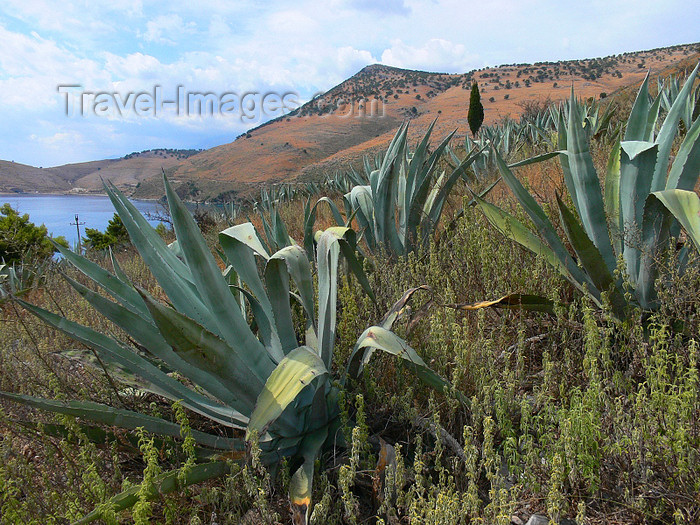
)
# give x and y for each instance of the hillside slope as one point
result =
(86, 177)
(355, 118)
(21, 178)
(360, 116)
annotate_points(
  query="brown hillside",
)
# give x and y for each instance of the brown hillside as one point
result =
(86, 177)
(20, 178)
(355, 118)
(361, 115)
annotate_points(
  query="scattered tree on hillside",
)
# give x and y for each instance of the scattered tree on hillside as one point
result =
(475, 115)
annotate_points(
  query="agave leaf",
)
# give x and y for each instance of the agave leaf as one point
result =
(171, 273)
(121, 290)
(127, 441)
(586, 187)
(416, 200)
(264, 323)
(144, 331)
(299, 269)
(110, 350)
(562, 140)
(118, 272)
(612, 197)
(310, 220)
(535, 159)
(378, 338)
(206, 351)
(590, 258)
(166, 483)
(685, 207)
(473, 201)
(277, 280)
(655, 237)
(668, 132)
(97, 435)
(384, 187)
(686, 167)
(436, 210)
(399, 307)
(240, 254)
(637, 121)
(245, 233)
(513, 301)
(416, 170)
(116, 417)
(430, 199)
(556, 254)
(652, 118)
(294, 373)
(230, 323)
(328, 254)
(360, 200)
(637, 160)
(347, 247)
(282, 238)
(142, 234)
(300, 484)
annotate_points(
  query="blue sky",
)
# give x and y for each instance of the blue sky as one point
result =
(220, 46)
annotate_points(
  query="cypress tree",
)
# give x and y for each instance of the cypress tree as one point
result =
(475, 116)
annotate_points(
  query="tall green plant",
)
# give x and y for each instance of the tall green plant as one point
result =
(623, 221)
(475, 114)
(401, 206)
(257, 382)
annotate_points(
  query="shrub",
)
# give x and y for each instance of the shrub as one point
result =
(114, 234)
(21, 240)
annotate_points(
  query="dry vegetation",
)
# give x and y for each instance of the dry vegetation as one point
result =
(572, 416)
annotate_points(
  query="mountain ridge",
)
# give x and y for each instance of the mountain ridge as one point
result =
(356, 117)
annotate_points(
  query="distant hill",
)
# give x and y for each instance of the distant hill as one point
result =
(21, 178)
(355, 118)
(86, 177)
(360, 115)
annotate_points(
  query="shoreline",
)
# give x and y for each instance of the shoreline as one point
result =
(68, 194)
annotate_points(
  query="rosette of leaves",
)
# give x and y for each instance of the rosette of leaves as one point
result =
(223, 346)
(629, 219)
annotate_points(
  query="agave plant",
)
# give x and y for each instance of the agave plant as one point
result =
(594, 123)
(400, 207)
(669, 89)
(256, 382)
(625, 221)
(18, 279)
(685, 207)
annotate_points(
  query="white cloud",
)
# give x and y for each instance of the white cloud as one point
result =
(167, 29)
(307, 46)
(397, 7)
(436, 54)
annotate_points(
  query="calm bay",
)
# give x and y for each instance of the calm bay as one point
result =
(57, 212)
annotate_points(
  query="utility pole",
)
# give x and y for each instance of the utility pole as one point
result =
(77, 224)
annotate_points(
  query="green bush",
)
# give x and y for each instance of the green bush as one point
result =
(115, 234)
(21, 240)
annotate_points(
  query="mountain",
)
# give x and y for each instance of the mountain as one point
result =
(360, 116)
(355, 118)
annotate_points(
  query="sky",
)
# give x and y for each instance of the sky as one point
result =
(86, 80)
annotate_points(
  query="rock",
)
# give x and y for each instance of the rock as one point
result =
(538, 519)
(514, 520)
